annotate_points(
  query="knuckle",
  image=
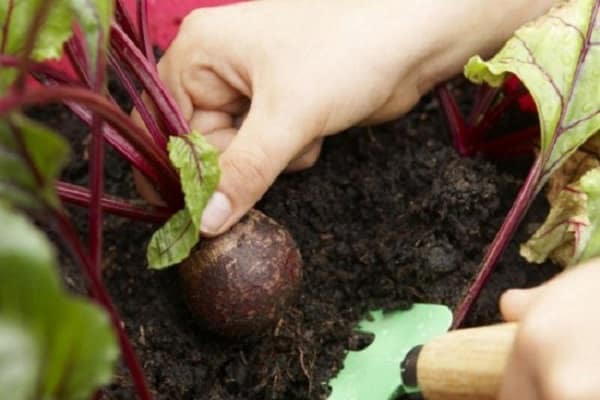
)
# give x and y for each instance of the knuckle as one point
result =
(250, 169)
(534, 336)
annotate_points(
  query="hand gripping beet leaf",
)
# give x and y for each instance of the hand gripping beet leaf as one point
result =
(557, 58)
(174, 241)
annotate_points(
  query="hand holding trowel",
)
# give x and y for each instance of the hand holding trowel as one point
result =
(465, 364)
(412, 353)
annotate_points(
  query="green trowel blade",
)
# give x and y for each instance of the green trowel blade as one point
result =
(374, 372)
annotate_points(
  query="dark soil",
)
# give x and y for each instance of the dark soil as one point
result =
(388, 216)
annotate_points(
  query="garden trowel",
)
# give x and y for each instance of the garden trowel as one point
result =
(413, 354)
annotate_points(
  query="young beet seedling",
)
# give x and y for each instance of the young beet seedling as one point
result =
(178, 162)
(557, 58)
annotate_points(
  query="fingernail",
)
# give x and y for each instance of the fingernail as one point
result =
(217, 212)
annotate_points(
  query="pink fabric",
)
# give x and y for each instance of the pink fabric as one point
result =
(166, 15)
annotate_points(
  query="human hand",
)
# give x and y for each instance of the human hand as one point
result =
(556, 355)
(265, 81)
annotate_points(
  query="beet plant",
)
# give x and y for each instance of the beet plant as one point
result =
(95, 35)
(179, 163)
(557, 58)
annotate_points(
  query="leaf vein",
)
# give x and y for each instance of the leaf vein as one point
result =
(533, 61)
(581, 120)
(570, 25)
(580, 61)
(178, 238)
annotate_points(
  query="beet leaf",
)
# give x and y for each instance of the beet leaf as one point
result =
(94, 17)
(31, 157)
(197, 163)
(53, 345)
(53, 33)
(557, 57)
(571, 233)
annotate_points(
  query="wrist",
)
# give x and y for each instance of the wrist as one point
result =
(469, 27)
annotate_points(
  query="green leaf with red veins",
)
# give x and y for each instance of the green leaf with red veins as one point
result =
(19, 15)
(31, 158)
(173, 242)
(16, 19)
(197, 162)
(198, 165)
(557, 57)
(52, 345)
(571, 232)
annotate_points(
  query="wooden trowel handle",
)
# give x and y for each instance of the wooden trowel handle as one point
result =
(465, 364)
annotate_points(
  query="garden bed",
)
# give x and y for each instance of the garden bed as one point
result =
(388, 216)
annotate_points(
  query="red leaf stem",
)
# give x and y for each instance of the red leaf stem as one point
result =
(39, 68)
(514, 144)
(80, 196)
(135, 135)
(144, 34)
(99, 292)
(522, 203)
(483, 101)
(128, 54)
(140, 106)
(123, 18)
(454, 119)
(77, 56)
(96, 173)
(147, 167)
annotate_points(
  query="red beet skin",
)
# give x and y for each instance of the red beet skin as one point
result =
(242, 282)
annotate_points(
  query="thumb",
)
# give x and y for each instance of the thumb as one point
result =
(261, 150)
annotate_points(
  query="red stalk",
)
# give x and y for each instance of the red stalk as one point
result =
(110, 113)
(484, 99)
(147, 167)
(96, 171)
(491, 117)
(146, 44)
(518, 143)
(76, 53)
(128, 54)
(124, 19)
(99, 292)
(138, 103)
(112, 137)
(38, 68)
(96, 164)
(522, 203)
(80, 196)
(454, 119)
(468, 136)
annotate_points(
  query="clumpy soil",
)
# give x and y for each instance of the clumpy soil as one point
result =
(388, 216)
